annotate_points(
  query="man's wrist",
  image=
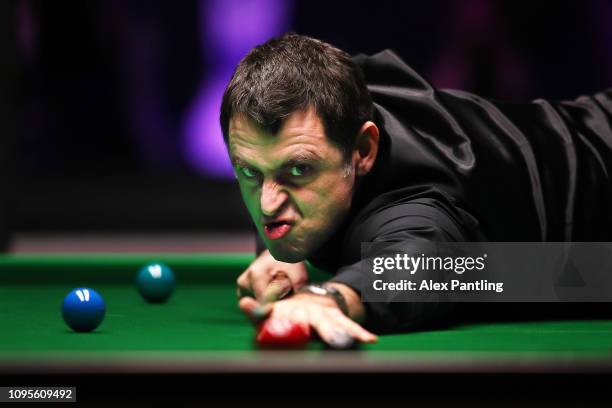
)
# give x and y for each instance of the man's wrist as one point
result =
(328, 291)
(354, 308)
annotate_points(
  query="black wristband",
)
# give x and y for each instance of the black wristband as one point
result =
(330, 291)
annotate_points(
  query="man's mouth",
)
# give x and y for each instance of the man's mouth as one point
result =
(278, 229)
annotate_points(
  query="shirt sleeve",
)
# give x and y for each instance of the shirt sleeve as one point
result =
(409, 227)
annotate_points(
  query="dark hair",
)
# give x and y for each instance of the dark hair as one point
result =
(295, 72)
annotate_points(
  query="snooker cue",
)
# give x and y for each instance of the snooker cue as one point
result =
(279, 287)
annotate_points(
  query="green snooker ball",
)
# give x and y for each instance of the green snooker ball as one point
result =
(155, 282)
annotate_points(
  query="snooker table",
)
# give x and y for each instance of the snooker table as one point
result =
(199, 336)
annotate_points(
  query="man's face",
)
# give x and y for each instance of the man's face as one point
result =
(295, 184)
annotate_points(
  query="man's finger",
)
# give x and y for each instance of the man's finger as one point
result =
(354, 329)
(324, 327)
(259, 281)
(298, 278)
(248, 304)
(261, 312)
(255, 311)
(330, 324)
(244, 285)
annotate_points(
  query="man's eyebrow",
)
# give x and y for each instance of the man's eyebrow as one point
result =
(299, 158)
(303, 157)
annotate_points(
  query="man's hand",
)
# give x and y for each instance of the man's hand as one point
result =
(318, 312)
(259, 274)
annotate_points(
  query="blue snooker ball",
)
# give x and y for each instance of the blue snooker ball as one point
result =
(83, 309)
(155, 282)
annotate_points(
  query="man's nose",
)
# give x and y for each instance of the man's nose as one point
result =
(272, 198)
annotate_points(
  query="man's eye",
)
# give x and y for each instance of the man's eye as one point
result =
(300, 170)
(249, 173)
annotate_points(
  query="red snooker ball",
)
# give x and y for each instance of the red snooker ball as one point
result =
(279, 333)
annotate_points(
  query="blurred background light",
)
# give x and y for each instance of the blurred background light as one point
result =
(229, 30)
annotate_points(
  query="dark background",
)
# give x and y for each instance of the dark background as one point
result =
(96, 96)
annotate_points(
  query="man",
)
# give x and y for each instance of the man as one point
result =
(322, 169)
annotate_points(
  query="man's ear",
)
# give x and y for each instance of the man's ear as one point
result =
(366, 148)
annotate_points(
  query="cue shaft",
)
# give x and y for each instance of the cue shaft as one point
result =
(279, 287)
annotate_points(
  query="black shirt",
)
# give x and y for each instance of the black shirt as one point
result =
(453, 166)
